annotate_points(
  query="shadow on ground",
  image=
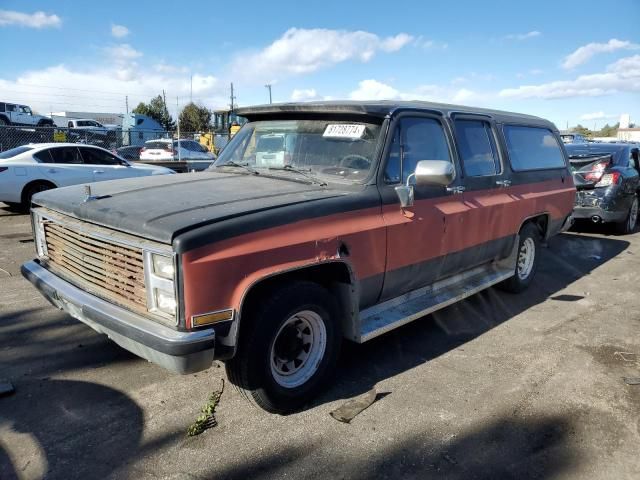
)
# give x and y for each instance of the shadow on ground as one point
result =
(537, 448)
(568, 258)
(78, 429)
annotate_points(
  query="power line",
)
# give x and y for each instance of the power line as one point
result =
(84, 90)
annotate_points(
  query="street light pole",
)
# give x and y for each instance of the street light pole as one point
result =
(268, 87)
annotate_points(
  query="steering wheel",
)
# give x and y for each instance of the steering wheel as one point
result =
(355, 162)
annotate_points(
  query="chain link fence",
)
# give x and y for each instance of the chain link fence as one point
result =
(111, 139)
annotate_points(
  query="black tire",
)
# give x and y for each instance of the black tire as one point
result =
(30, 191)
(631, 221)
(4, 122)
(254, 369)
(524, 273)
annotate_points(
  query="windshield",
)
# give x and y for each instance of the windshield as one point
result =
(14, 151)
(331, 149)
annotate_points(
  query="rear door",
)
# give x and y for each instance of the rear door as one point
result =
(483, 232)
(64, 166)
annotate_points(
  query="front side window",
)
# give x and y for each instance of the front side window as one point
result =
(93, 156)
(66, 155)
(11, 108)
(330, 150)
(415, 139)
(477, 148)
(532, 148)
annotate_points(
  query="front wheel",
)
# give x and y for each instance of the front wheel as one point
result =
(527, 260)
(629, 224)
(288, 348)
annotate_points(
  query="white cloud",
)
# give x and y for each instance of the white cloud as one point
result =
(119, 31)
(523, 36)
(584, 53)
(374, 90)
(123, 52)
(163, 67)
(621, 76)
(302, 51)
(305, 95)
(596, 116)
(30, 20)
(425, 44)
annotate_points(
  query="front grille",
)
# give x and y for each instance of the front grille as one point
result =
(110, 270)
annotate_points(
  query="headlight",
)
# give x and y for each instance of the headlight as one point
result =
(159, 274)
(163, 266)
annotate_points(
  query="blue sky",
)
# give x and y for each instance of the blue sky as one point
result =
(574, 62)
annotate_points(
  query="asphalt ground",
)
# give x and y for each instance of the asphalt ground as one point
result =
(497, 386)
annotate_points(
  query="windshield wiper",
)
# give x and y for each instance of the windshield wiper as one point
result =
(246, 166)
(303, 172)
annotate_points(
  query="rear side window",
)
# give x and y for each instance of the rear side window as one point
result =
(477, 148)
(66, 155)
(43, 156)
(1, 107)
(532, 148)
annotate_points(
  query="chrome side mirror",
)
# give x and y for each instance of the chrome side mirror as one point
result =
(405, 194)
(435, 172)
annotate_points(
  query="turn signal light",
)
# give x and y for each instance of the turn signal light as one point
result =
(609, 179)
(2, 169)
(209, 318)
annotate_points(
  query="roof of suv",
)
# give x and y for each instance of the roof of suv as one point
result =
(382, 108)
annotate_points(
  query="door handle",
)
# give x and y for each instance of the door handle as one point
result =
(459, 189)
(52, 170)
(98, 171)
(503, 183)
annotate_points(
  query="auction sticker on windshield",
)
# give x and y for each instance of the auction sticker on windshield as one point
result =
(342, 130)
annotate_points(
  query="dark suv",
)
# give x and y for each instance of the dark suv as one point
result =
(607, 178)
(380, 213)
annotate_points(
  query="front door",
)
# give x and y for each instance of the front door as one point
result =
(105, 165)
(65, 166)
(418, 237)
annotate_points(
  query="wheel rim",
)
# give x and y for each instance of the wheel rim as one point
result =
(526, 257)
(298, 349)
(633, 214)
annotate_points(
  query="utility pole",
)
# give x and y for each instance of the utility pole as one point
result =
(126, 102)
(178, 115)
(268, 87)
(166, 109)
(191, 95)
(232, 99)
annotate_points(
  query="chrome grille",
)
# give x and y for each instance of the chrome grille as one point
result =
(110, 270)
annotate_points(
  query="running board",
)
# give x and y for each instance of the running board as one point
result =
(386, 316)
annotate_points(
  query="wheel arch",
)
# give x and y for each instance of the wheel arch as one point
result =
(541, 221)
(337, 276)
(35, 182)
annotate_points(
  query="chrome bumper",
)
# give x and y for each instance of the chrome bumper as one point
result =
(180, 352)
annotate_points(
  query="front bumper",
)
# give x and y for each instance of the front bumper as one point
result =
(180, 352)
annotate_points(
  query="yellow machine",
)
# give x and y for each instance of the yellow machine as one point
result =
(207, 141)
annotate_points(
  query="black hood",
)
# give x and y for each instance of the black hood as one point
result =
(160, 207)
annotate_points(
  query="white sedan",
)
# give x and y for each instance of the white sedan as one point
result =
(33, 168)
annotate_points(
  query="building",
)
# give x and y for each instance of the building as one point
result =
(630, 134)
(61, 118)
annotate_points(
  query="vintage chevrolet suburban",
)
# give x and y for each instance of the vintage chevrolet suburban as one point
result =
(374, 215)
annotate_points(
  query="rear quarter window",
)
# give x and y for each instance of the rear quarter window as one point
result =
(532, 148)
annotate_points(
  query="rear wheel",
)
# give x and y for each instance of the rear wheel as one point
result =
(30, 191)
(527, 261)
(288, 348)
(3, 122)
(630, 223)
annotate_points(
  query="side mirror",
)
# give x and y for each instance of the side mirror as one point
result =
(435, 172)
(428, 172)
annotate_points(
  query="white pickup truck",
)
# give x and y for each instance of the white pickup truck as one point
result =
(86, 130)
(21, 115)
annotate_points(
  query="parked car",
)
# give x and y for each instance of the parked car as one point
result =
(607, 178)
(33, 168)
(129, 153)
(571, 137)
(21, 115)
(164, 149)
(386, 212)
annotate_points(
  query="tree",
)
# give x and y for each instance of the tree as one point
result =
(581, 130)
(194, 118)
(609, 131)
(157, 110)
